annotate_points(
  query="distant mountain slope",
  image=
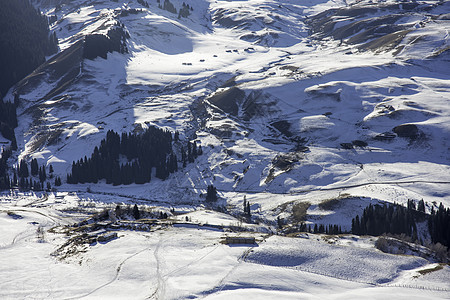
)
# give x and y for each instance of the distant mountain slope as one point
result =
(25, 40)
(288, 99)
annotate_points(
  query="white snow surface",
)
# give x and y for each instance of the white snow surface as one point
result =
(328, 91)
(189, 263)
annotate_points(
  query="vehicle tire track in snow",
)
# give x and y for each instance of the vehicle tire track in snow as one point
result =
(221, 284)
(22, 235)
(118, 269)
(335, 188)
(370, 183)
(54, 219)
(37, 201)
(160, 287)
(219, 287)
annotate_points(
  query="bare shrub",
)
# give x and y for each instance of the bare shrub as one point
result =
(382, 244)
(440, 251)
(40, 234)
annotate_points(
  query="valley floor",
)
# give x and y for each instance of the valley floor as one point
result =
(190, 261)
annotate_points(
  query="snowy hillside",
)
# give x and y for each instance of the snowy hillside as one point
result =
(256, 86)
(309, 110)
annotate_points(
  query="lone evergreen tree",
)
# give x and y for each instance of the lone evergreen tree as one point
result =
(136, 213)
(34, 167)
(421, 206)
(50, 170)
(211, 193)
(279, 222)
(23, 169)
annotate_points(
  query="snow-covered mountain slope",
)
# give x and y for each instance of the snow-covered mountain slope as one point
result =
(309, 110)
(275, 92)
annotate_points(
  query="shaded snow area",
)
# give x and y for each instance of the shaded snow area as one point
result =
(360, 264)
(182, 262)
(308, 111)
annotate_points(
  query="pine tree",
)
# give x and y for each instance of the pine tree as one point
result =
(136, 213)
(34, 167)
(194, 149)
(42, 174)
(279, 222)
(23, 169)
(211, 193)
(421, 206)
(51, 171)
(21, 183)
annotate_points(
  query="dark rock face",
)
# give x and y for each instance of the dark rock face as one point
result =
(359, 143)
(283, 127)
(228, 100)
(385, 136)
(98, 45)
(406, 131)
(347, 146)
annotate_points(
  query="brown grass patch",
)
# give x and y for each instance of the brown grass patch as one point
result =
(299, 211)
(426, 271)
(330, 204)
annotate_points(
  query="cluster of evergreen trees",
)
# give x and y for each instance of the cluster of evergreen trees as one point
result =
(184, 12)
(36, 180)
(439, 225)
(143, 3)
(26, 181)
(321, 228)
(40, 171)
(133, 212)
(142, 152)
(317, 228)
(168, 6)
(377, 219)
(396, 219)
(25, 40)
(8, 121)
(5, 182)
